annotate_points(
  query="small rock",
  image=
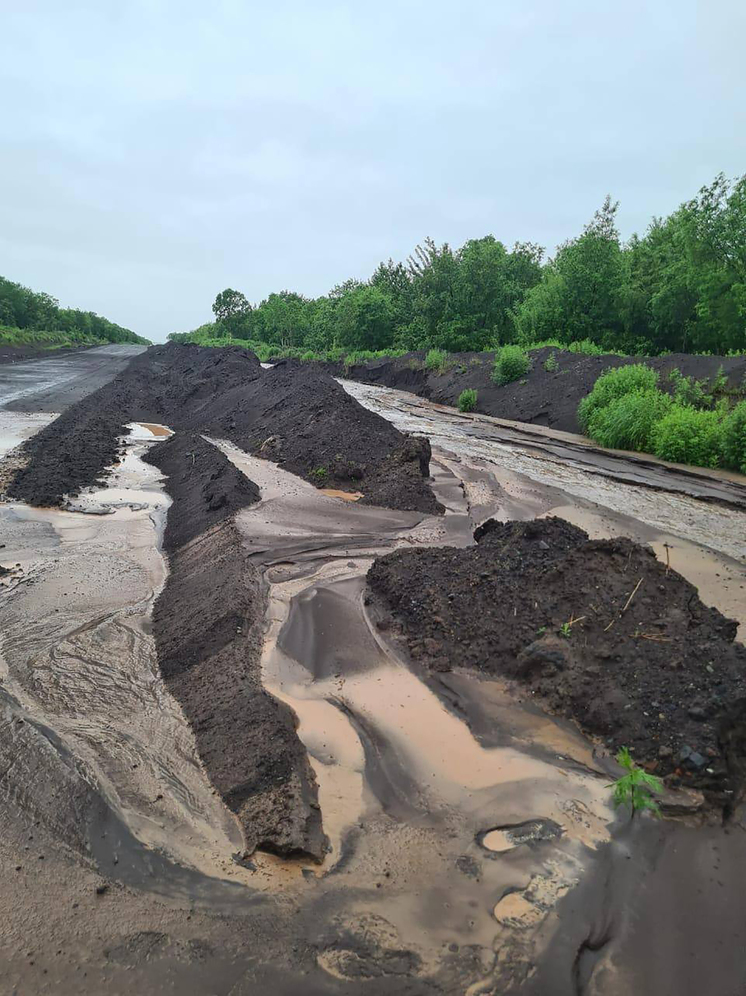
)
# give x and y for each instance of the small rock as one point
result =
(664, 751)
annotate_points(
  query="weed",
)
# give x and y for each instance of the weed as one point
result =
(437, 360)
(467, 400)
(541, 631)
(627, 423)
(635, 787)
(319, 475)
(550, 363)
(734, 438)
(511, 363)
(566, 630)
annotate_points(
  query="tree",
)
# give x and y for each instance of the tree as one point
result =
(230, 308)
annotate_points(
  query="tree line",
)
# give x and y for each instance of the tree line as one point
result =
(680, 287)
(36, 312)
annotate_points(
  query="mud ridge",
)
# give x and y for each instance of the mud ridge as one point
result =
(299, 417)
(208, 623)
(598, 631)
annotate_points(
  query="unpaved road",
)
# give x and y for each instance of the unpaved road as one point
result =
(121, 867)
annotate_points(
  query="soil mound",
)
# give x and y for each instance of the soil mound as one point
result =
(598, 631)
(206, 487)
(207, 624)
(543, 397)
(296, 415)
(303, 419)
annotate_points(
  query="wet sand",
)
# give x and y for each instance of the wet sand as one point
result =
(431, 885)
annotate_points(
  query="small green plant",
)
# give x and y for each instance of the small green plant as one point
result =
(319, 476)
(566, 630)
(436, 359)
(688, 391)
(511, 363)
(541, 631)
(467, 400)
(635, 787)
(550, 363)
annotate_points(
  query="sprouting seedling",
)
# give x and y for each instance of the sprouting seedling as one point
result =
(635, 787)
(541, 631)
(566, 630)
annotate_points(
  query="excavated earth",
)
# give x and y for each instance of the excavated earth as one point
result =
(337, 745)
(598, 631)
(207, 623)
(299, 417)
(543, 397)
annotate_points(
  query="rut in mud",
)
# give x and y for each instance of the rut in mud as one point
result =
(299, 417)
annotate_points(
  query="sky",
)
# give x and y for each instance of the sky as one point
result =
(153, 153)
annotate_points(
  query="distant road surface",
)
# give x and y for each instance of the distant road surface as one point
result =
(51, 385)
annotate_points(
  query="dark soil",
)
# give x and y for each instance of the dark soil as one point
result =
(664, 677)
(304, 420)
(15, 354)
(295, 415)
(207, 623)
(206, 487)
(546, 397)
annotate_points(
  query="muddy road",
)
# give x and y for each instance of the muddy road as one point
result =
(472, 846)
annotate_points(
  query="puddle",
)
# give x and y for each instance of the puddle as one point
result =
(508, 838)
(344, 495)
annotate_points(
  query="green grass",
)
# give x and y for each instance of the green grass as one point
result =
(467, 400)
(436, 360)
(614, 384)
(44, 339)
(733, 438)
(627, 423)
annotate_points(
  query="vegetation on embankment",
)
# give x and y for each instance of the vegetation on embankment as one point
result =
(34, 320)
(680, 287)
(680, 419)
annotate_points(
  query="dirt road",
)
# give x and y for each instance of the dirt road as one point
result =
(473, 847)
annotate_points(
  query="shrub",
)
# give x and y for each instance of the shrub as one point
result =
(550, 363)
(511, 363)
(467, 400)
(734, 438)
(614, 384)
(436, 359)
(689, 435)
(627, 423)
(635, 787)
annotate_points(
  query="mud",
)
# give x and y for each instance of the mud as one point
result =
(143, 886)
(543, 397)
(599, 631)
(296, 416)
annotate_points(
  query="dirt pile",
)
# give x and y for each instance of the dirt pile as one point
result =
(206, 488)
(304, 420)
(544, 397)
(596, 630)
(298, 416)
(207, 624)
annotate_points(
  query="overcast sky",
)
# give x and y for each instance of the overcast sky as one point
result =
(156, 152)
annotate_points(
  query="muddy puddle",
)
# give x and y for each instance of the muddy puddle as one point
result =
(473, 846)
